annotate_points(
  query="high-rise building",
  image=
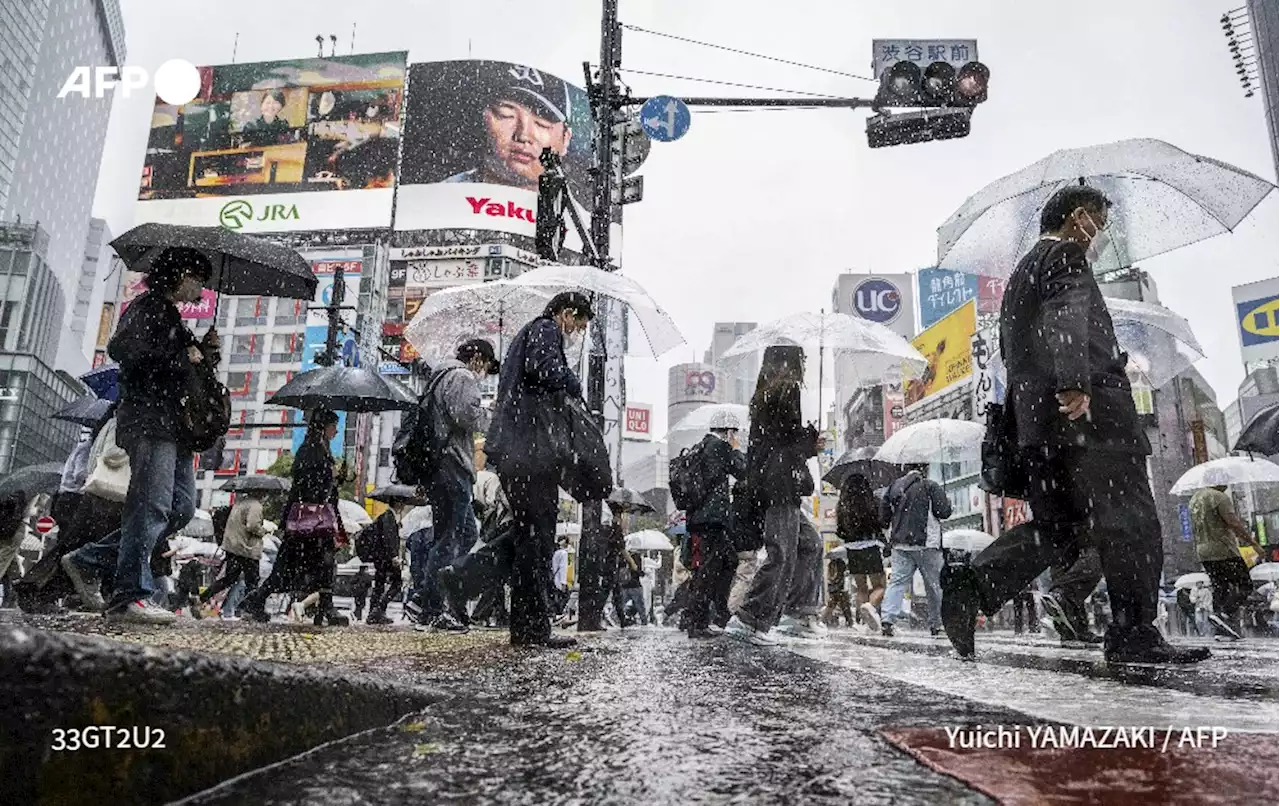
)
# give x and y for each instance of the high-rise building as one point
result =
(740, 375)
(76, 351)
(50, 147)
(32, 304)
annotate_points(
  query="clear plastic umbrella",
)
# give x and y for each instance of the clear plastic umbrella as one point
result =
(1191, 580)
(940, 440)
(658, 327)
(1159, 342)
(1265, 572)
(1230, 471)
(1164, 199)
(354, 518)
(648, 540)
(495, 311)
(700, 420)
(970, 540)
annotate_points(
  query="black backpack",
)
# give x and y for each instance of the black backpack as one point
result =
(415, 453)
(204, 408)
(687, 479)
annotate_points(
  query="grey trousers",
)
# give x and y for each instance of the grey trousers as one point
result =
(790, 579)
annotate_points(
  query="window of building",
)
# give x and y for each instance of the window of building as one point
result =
(286, 348)
(243, 349)
(291, 312)
(226, 310)
(251, 312)
(275, 380)
(6, 321)
(240, 384)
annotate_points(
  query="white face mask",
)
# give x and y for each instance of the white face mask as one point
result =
(573, 341)
(1098, 242)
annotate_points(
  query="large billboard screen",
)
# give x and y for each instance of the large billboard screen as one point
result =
(280, 146)
(474, 131)
(947, 348)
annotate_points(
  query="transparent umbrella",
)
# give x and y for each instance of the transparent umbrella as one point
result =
(659, 329)
(495, 311)
(648, 540)
(1159, 342)
(1229, 471)
(970, 540)
(1191, 580)
(1164, 197)
(1265, 572)
(353, 516)
(940, 440)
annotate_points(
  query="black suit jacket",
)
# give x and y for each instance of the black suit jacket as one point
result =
(1055, 335)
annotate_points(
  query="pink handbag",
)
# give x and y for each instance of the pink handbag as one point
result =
(310, 520)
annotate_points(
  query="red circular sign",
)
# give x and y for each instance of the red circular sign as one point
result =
(45, 525)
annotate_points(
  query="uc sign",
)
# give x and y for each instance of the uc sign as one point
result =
(877, 300)
(1258, 323)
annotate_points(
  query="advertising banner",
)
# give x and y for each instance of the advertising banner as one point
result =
(639, 421)
(988, 386)
(894, 401)
(135, 285)
(325, 271)
(946, 346)
(943, 290)
(474, 132)
(886, 299)
(1257, 305)
(283, 146)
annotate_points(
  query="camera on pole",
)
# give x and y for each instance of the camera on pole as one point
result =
(550, 229)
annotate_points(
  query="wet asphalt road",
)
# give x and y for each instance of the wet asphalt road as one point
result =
(642, 718)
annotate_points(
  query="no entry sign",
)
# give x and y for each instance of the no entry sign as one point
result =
(45, 525)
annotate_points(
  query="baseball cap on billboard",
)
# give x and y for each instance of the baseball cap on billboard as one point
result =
(545, 94)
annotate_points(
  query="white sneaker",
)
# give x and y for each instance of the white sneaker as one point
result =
(736, 629)
(297, 612)
(760, 638)
(140, 612)
(85, 585)
(715, 629)
(802, 627)
(871, 616)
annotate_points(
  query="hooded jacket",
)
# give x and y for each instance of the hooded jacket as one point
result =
(458, 416)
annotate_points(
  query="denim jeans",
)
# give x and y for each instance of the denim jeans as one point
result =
(418, 545)
(905, 564)
(456, 530)
(160, 501)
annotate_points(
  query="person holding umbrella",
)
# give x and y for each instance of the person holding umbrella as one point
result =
(380, 544)
(153, 348)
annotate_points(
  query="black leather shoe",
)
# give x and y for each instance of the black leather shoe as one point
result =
(549, 642)
(960, 610)
(703, 634)
(1148, 646)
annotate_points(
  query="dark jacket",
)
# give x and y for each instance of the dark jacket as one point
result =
(907, 505)
(781, 444)
(313, 476)
(860, 520)
(150, 345)
(527, 434)
(382, 539)
(1056, 335)
(719, 462)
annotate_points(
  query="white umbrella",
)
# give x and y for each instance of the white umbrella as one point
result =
(495, 311)
(970, 540)
(200, 525)
(658, 327)
(1232, 470)
(940, 440)
(270, 527)
(1191, 580)
(1159, 342)
(1164, 199)
(1265, 572)
(700, 420)
(838, 553)
(354, 518)
(648, 540)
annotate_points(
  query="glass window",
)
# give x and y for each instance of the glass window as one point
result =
(242, 349)
(226, 311)
(275, 380)
(286, 347)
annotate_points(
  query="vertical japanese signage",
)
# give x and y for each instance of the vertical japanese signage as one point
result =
(894, 401)
(984, 348)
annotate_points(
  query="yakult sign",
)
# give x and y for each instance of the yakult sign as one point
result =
(886, 299)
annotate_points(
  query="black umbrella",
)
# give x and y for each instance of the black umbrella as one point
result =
(343, 389)
(399, 494)
(87, 411)
(1260, 434)
(33, 480)
(242, 264)
(260, 483)
(626, 500)
(862, 461)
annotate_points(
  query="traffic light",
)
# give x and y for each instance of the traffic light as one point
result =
(904, 128)
(938, 84)
(550, 229)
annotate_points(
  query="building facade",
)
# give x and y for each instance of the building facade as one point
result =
(79, 338)
(740, 375)
(32, 305)
(30, 393)
(689, 387)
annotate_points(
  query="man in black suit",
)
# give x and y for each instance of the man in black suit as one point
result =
(1081, 443)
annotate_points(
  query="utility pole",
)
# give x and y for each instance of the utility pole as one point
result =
(334, 310)
(594, 568)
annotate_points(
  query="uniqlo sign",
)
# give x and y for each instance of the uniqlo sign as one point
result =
(639, 417)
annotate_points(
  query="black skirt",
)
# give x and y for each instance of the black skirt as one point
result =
(866, 561)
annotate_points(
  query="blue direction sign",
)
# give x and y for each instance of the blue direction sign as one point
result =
(664, 118)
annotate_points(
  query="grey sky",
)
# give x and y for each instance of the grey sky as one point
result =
(753, 214)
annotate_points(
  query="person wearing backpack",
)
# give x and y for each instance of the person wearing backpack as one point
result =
(379, 544)
(713, 559)
(448, 419)
(155, 350)
(914, 506)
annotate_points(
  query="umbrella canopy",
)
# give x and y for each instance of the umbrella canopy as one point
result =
(1191, 580)
(261, 483)
(862, 461)
(242, 264)
(1164, 199)
(343, 389)
(1159, 342)
(1265, 572)
(200, 525)
(940, 440)
(658, 327)
(354, 518)
(648, 540)
(399, 494)
(838, 553)
(87, 411)
(721, 415)
(626, 500)
(495, 311)
(970, 540)
(1232, 470)
(1260, 433)
(33, 480)
(865, 351)
(103, 381)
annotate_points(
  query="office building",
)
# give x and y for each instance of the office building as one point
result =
(30, 393)
(31, 299)
(739, 375)
(79, 336)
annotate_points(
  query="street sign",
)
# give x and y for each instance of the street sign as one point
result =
(630, 148)
(631, 190)
(665, 118)
(45, 525)
(885, 53)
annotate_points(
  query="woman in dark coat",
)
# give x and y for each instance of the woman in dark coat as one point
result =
(778, 473)
(306, 562)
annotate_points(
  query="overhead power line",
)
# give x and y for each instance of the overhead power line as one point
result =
(746, 52)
